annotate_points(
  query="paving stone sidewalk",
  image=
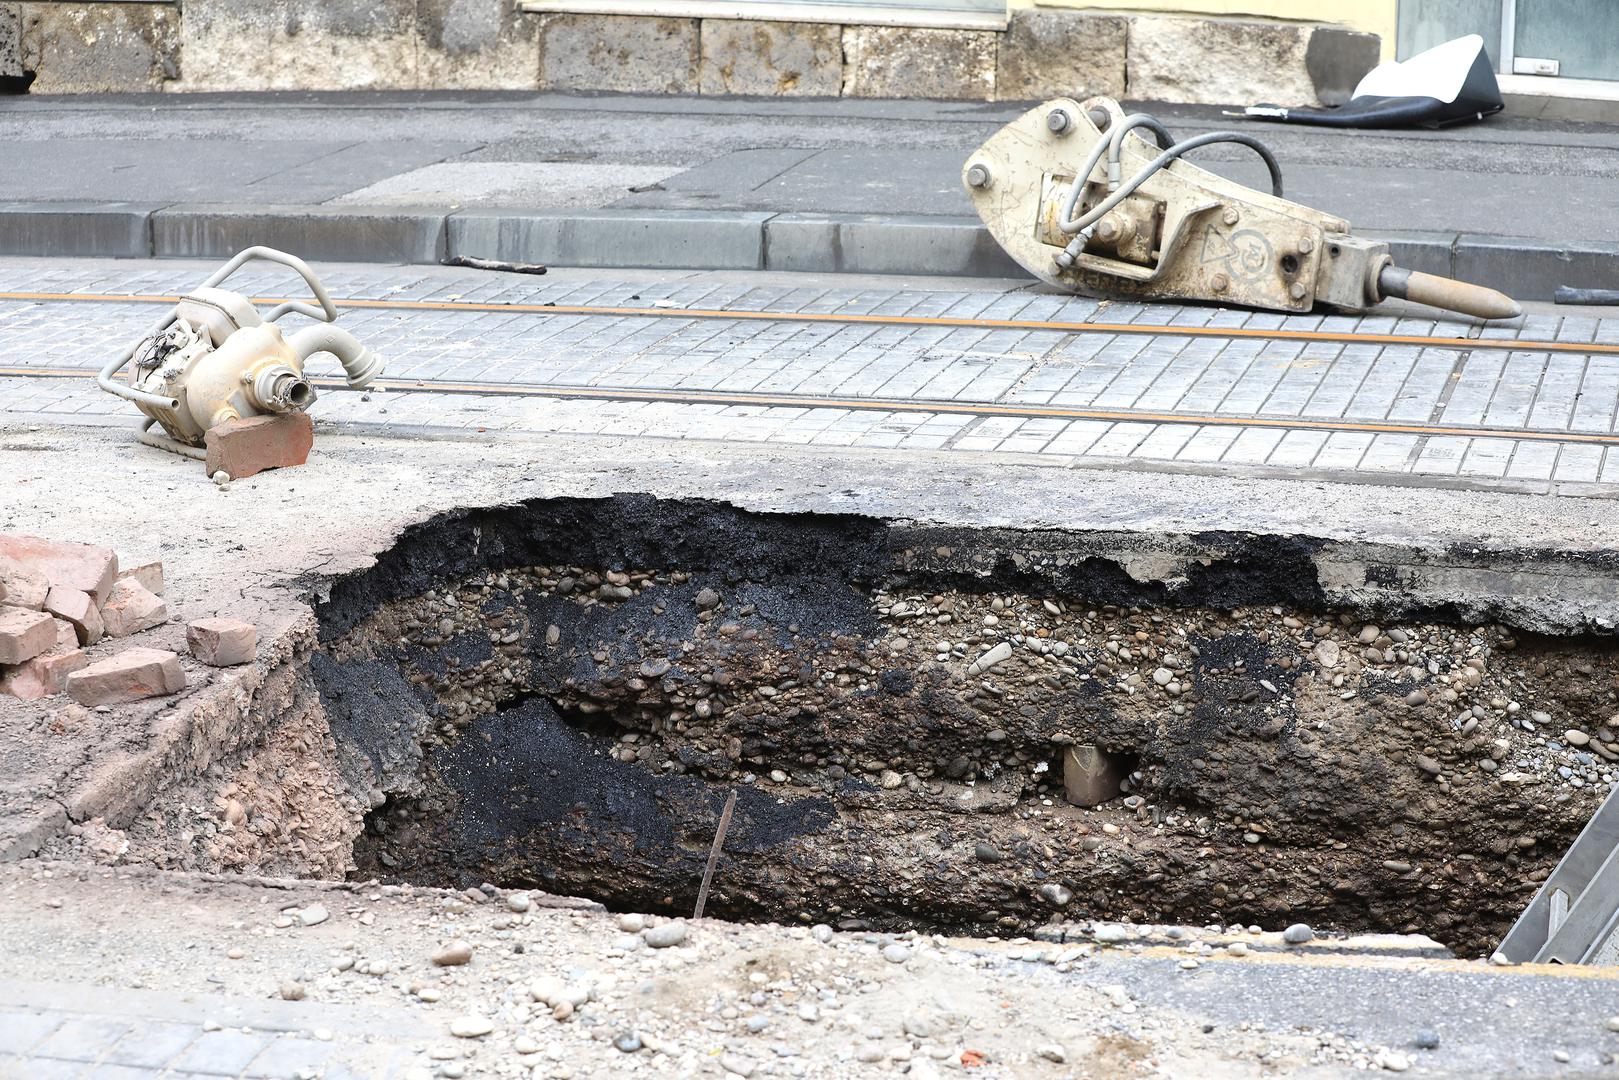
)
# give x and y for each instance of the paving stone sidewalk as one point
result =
(903, 374)
(61, 1032)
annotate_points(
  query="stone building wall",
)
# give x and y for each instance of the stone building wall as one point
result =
(225, 45)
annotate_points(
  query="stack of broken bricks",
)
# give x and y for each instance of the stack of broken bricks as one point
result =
(58, 599)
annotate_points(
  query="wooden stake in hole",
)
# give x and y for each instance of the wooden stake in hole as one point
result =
(714, 853)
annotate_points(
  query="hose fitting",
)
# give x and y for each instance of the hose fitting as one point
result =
(1070, 254)
(279, 389)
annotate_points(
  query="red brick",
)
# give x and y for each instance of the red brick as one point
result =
(77, 566)
(21, 586)
(129, 676)
(222, 642)
(149, 574)
(24, 634)
(244, 447)
(77, 608)
(67, 639)
(131, 608)
(47, 673)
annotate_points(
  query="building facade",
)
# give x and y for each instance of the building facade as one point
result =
(1229, 52)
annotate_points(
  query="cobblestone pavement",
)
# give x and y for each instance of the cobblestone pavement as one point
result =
(55, 1031)
(1221, 381)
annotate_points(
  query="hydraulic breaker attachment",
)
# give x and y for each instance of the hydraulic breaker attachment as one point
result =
(1080, 198)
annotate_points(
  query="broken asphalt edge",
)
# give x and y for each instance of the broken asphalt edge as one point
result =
(1357, 551)
(1526, 268)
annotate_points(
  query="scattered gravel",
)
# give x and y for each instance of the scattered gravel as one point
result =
(748, 1001)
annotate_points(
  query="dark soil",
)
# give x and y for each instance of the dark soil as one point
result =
(561, 695)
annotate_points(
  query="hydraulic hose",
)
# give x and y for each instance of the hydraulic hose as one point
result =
(1082, 226)
(1115, 141)
(1069, 224)
(1570, 294)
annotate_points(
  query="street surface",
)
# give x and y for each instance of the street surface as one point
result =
(125, 974)
(1122, 400)
(845, 156)
(208, 963)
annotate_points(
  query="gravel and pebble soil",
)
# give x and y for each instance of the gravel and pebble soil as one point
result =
(894, 714)
(520, 984)
(899, 753)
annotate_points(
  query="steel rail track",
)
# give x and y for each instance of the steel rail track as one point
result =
(1591, 348)
(915, 405)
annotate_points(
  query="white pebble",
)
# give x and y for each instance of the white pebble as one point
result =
(666, 935)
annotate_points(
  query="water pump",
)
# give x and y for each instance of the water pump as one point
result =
(213, 357)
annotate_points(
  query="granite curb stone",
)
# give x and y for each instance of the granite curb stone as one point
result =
(941, 245)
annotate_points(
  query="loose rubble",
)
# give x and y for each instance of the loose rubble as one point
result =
(222, 642)
(130, 675)
(59, 601)
(59, 598)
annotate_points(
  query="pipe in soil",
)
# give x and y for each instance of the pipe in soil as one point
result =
(562, 695)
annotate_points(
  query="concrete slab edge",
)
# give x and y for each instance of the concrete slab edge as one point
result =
(1527, 268)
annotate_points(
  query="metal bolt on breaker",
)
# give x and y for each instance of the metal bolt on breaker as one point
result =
(213, 357)
(1143, 222)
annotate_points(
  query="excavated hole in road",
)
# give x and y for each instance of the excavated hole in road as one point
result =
(560, 696)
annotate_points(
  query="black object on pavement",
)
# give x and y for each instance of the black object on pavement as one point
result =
(494, 264)
(1448, 84)
(1569, 294)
